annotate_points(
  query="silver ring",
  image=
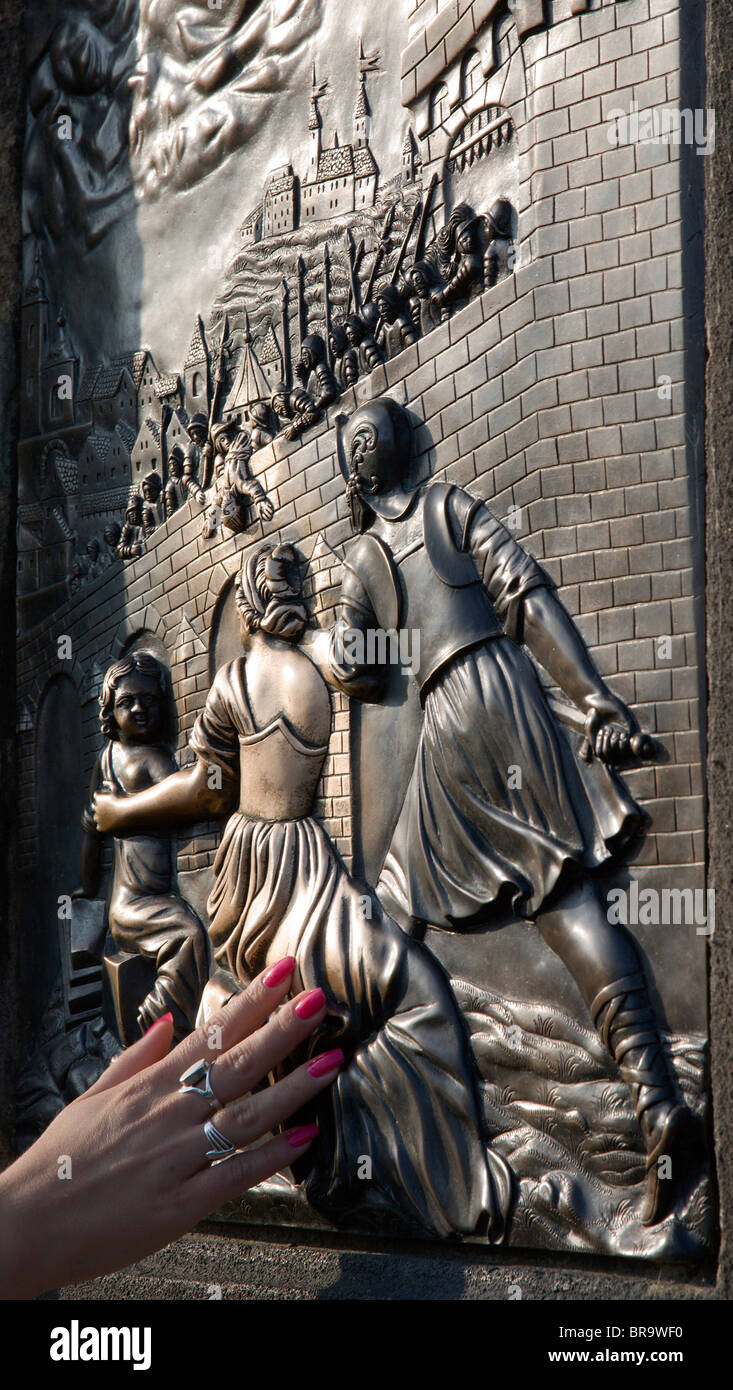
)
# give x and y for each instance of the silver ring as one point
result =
(200, 1071)
(221, 1147)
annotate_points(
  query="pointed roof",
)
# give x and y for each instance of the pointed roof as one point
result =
(96, 445)
(251, 217)
(362, 107)
(336, 162)
(152, 428)
(28, 537)
(197, 353)
(57, 527)
(251, 384)
(364, 162)
(270, 349)
(61, 349)
(36, 284)
(108, 378)
(126, 434)
(166, 386)
(86, 386)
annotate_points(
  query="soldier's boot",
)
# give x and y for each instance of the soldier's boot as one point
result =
(624, 1017)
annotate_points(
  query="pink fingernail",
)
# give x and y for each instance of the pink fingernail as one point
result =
(298, 1138)
(164, 1018)
(310, 1003)
(326, 1062)
(279, 972)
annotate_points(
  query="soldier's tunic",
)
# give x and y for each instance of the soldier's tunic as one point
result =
(471, 839)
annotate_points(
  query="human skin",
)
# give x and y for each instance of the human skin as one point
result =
(138, 1175)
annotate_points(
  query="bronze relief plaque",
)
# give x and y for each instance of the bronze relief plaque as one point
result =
(360, 498)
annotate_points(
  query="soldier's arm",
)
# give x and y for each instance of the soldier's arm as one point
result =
(341, 652)
(554, 640)
(527, 605)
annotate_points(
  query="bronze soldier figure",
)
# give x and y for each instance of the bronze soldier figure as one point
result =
(469, 844)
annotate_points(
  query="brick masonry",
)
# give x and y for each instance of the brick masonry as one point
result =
(561, 392)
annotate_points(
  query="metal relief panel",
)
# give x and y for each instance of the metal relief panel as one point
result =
(362, 354)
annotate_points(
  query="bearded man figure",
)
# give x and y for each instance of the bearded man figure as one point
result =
(469, 844)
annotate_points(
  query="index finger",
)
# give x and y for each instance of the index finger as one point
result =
(242, 1015)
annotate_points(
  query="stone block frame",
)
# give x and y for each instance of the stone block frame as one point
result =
(541, 1276)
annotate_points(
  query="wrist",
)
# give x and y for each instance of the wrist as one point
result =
(595, 695)
(22, 1263)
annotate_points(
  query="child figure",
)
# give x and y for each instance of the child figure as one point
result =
(146, 914)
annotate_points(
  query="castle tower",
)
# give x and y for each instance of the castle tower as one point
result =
(59, 379)
(314, 128)
(411, 160)
(362, 111)
(34, 322)
(196, 372)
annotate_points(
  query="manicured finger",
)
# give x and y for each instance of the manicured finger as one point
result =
(151, 1048)
(225, 1181)
(243, 1014)
(246, 1119)
(247, 1063)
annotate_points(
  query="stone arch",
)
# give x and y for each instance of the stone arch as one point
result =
(149, 621)
(225, 570)
(72, 669)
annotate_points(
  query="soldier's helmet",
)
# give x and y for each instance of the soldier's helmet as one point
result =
(370, 316)
(388, 302)
(499, 218)
(152, 486)
(378, 440)
(198, 424)
(314, 349)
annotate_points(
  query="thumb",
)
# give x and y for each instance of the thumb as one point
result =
(152, 1048)
(593, 719)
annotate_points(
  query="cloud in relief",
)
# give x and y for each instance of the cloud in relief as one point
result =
(205, 80)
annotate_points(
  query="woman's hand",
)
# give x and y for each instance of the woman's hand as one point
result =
(106, 809)
(122, 1170)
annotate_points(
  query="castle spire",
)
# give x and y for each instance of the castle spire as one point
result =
(362, 110)
(314, 118)
(36, 284)
(314, 126)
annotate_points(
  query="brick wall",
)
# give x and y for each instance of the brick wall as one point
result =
(543, 394)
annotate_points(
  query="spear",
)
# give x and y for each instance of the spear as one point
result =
(354, 263)
(401, 256)
(424, 218)
(302, 316)
(284, 318)
(327, 299)
(218, 383)
(381, 247)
